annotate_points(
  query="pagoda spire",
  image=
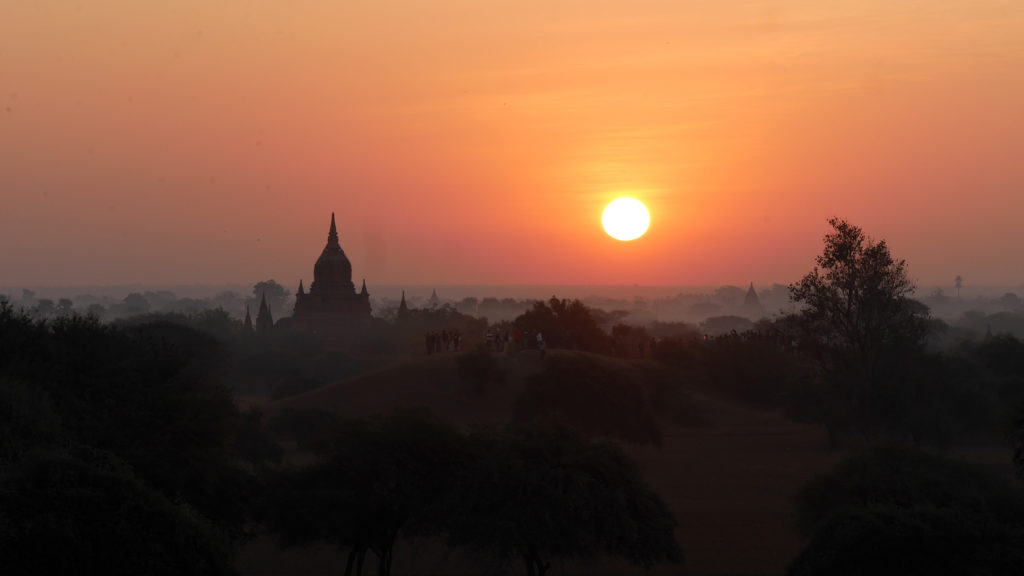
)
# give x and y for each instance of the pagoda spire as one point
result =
(301, 291)
(332, 236)
(363, 291)
(264, 320)
(751, 307)
(403, 308)
(247, 325)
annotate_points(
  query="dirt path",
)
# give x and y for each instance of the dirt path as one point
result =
(731, 485)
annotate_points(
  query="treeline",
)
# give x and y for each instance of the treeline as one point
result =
(107, 308)
(117, 450)
(861, 357)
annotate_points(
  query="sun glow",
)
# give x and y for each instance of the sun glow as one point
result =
(625, 219)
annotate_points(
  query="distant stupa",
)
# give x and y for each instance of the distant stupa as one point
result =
(332, 303)
(403, 308)
(264, 320)
(751, 307)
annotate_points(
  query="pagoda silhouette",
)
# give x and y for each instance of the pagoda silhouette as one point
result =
(332, 304)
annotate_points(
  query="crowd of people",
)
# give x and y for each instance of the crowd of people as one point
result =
(443, 341)
(495, 340)
(498, 340)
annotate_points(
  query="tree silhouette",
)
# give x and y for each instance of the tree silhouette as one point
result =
(133, 304)
(65, 306)
(87, 513)
(540, 494)
(565, 324)
(44, 308)
(275, 294)
(858, 320)
(592, 397)
(147, 394)
(897, 511)
(379, 480)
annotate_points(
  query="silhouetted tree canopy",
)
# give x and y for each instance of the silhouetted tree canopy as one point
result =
(858, 321)
(904, 512)
(631, 341)
(253, 443)
(133, 305)
(541, 494)
(565, 324)
(591, 396)
(89, 514)
(753, 367)
(718, 325)
(275, 294)
(148, 394)
(857, 304)
(379, 480)
(534, 493)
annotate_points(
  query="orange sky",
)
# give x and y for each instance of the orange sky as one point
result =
(478, 141)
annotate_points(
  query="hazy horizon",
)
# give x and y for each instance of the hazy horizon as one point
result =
(456, 292)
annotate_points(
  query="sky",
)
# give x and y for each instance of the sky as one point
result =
(477, 142)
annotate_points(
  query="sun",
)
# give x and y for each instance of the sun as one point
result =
(625, 219)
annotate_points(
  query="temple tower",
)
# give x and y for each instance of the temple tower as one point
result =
(751, 307)
(331, 304)
(264, 319)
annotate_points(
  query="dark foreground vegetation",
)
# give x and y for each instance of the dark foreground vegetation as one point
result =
(123, 453)
(532, 494)
(164, 443)
(900, 511)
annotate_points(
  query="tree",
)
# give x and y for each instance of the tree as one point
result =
(65, 306)
(134, 304)
(379, 480)
(147, 394)
(565, 324)
(468, 305)
(96, 310)
(86, 513)
(545, 493)
(906, 512)
(858, 321)
(275, 294)
(590, 395)
(44, 308)
(630, 341)
(718, 325)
